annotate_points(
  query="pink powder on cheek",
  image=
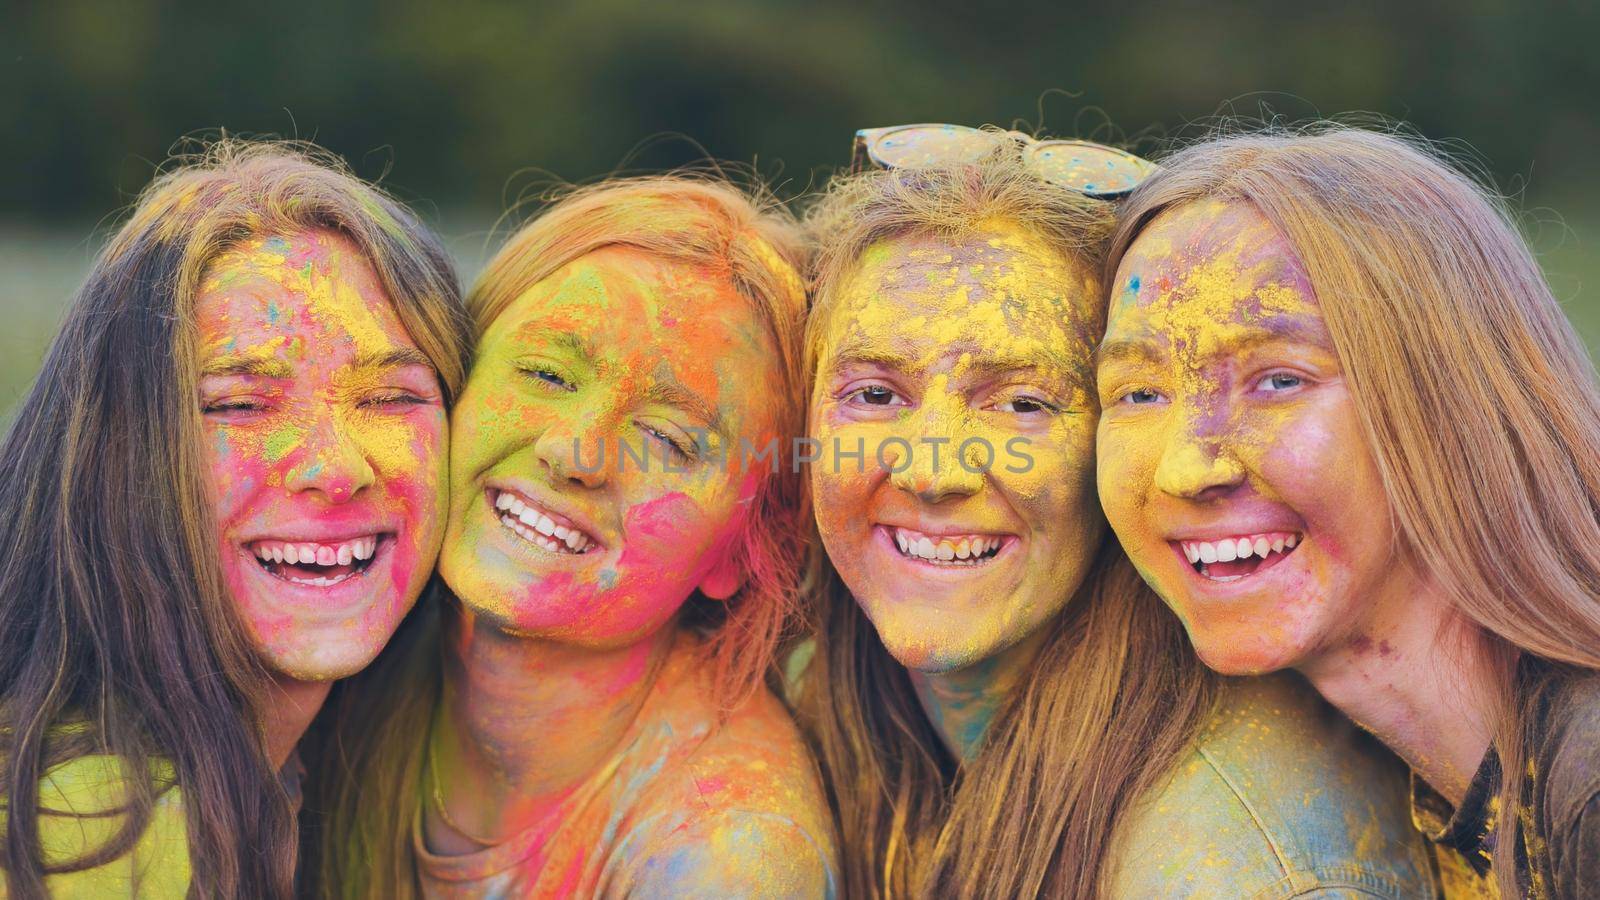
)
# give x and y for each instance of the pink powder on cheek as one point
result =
(656, 529)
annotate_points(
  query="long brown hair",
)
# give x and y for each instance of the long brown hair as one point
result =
(117, 635)
(375, 721)
(1115, 696)
(1477, 399)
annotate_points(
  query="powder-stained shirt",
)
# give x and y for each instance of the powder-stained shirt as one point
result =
(1559, 855)
(80, 803)
(1281, 797)
(685, 807)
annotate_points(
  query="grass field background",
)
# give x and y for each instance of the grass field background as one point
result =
(41, 267)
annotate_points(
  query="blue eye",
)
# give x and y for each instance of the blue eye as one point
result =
(873, 395)
(1278, 381)
(1141, 397)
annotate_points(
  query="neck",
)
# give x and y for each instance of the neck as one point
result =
(1416, 677)
(522, 722)
(962, 702)
(291, 705)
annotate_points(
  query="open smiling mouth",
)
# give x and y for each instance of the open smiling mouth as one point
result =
(317, 564)
(954, 550)
(1233, 558)
(539, 526)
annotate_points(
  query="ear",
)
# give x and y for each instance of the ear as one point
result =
(725, 577)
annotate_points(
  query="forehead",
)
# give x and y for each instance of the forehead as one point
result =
(635, 313)
(630, 302)
(312, 290)
(999, 291)
(1207, 270)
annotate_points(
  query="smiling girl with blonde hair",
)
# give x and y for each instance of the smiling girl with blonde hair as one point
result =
(1349, 431)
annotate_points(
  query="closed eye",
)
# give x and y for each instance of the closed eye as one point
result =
(548, 377)
(392, 399)
(233, 406)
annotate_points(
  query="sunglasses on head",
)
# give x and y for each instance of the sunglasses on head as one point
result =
(1083, 166)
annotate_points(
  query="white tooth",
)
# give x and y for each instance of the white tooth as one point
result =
(1190, 552)
(544, 526)
(560, 531)
(518, 507)
(345, 555)
(573, 539)
(308, 554)
(372, 546)
(963, 549)
(900, 539)
(1245, 548)
(1227, 551)
(503, 501)
(327, 556)
(1277, 544)
(529, 517)
(1208, 552)
(261, 552)
(291, 554)
(1262, 547)
(925, 549)
(1291, 540)
(946, 552)
(277, 553)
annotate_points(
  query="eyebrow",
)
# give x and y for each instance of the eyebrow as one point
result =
(669, 392)
(1293, 329)
(1125, 350)
(857, 351)
(242, 364)
(393, 359)
(567, 340)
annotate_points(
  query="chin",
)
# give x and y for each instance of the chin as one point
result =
(1233, 654)
(325, 663)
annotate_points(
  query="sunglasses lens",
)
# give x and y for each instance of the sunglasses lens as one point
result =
(918, 146)
(1093, 169)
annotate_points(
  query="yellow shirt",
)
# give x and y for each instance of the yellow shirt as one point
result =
(74, 799)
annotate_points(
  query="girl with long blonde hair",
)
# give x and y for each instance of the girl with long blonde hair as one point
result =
(621, 567)
(1001, 708)
(1348, 431)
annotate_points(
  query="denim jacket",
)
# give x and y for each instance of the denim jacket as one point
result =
(1280, 797)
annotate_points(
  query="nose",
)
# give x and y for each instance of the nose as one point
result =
(331, 463)
(1197, 461)
(577, 454)
(927, 464)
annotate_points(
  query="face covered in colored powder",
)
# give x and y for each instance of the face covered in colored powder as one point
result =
(1232, 463)
(595, 462)
(955, 415)
(325, 437)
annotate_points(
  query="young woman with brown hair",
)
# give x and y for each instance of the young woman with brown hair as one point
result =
(1001, 708)
(1348, 431)
(597, 721)
(223, 492)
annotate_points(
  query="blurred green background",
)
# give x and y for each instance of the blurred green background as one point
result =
(447, 103)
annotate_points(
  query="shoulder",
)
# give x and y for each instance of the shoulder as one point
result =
(1570, 755)
(744, 814)
(80, 803)
(725, 853)
(1570, 750)
(1280, 796)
